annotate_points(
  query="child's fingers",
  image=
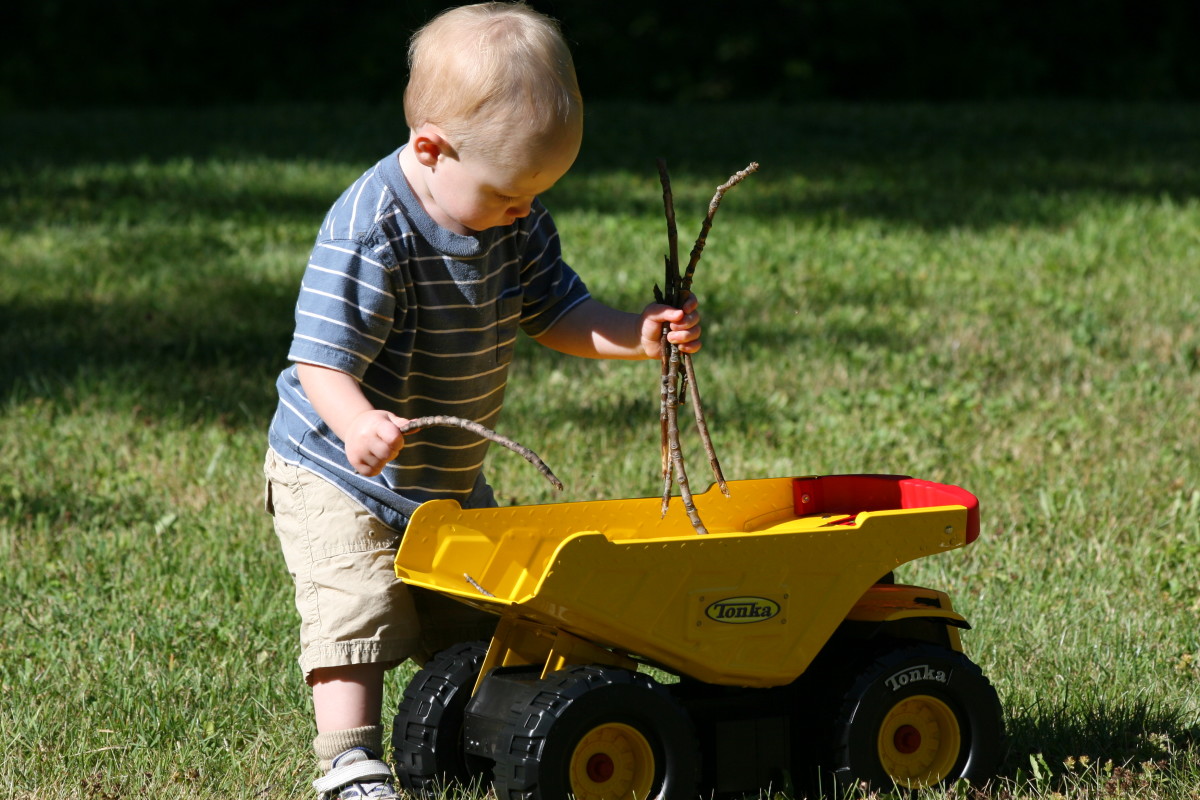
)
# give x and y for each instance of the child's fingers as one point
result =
(392, 436)
(688, 339)
(689, 320)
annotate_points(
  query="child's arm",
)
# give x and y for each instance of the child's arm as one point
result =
(372, 436)
(594, 330)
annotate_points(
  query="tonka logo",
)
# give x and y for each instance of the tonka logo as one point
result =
(923, 672)
(742, 610)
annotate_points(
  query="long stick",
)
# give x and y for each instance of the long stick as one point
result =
(686, 285)
(662, 408)
(487, 433)
(664, 418)
(669, 414)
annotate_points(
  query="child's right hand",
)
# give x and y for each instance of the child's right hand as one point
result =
(373, 440)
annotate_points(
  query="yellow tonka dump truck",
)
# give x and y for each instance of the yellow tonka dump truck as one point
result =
(635, 659)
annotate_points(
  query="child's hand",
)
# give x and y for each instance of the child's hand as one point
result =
(373, 440)
(685, 326)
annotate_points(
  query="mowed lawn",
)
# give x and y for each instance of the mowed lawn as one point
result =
(1003, 297)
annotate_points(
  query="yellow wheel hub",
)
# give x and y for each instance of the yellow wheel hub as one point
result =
(919, 741)
(612, 762)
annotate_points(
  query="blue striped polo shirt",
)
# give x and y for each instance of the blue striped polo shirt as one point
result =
(426, 320)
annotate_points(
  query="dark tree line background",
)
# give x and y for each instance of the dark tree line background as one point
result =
(72, 53)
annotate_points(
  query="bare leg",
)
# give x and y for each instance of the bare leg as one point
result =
(348, 697)
(349, 747)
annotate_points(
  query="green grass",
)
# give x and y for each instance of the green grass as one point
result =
(1003, 297)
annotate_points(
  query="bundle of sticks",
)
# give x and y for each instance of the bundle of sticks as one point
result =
(678, 372)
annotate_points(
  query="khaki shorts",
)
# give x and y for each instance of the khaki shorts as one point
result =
(353, 609)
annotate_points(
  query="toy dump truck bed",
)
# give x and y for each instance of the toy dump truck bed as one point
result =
(750, 604)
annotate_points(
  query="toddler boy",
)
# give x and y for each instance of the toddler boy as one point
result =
(421, 275)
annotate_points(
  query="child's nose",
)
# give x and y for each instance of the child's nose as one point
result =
(522, 209)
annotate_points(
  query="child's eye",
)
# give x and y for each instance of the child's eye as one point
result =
(504, 198)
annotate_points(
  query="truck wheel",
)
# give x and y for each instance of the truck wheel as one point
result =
(918, 717)
(427, 731)
(597, 733)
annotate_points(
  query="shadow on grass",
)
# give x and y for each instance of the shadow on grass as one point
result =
(929, 166)
(1063, 744)
(218, 348)
(210, 356)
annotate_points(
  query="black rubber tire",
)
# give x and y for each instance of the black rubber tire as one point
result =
(542, 735)
(933, 679)
(427, 731)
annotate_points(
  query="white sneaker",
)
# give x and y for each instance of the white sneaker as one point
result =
(356, 774)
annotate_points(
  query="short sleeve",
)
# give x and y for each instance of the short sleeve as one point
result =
(346, 306)
(551, 287)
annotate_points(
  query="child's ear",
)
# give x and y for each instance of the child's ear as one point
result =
(429, 145)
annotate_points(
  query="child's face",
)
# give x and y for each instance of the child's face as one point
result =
(467, 193)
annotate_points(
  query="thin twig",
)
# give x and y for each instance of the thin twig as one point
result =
(681, 477)
(662, 407)
(475, 584)
(672, 287)
(713, 204)
(702, 424)
(664, 418)
(487, 433)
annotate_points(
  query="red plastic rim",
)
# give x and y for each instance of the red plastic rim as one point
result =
(600, 767)
(907, 739)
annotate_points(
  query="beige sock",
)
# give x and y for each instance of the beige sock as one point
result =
(331, 744)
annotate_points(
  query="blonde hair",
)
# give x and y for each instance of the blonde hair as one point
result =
(489, 74)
